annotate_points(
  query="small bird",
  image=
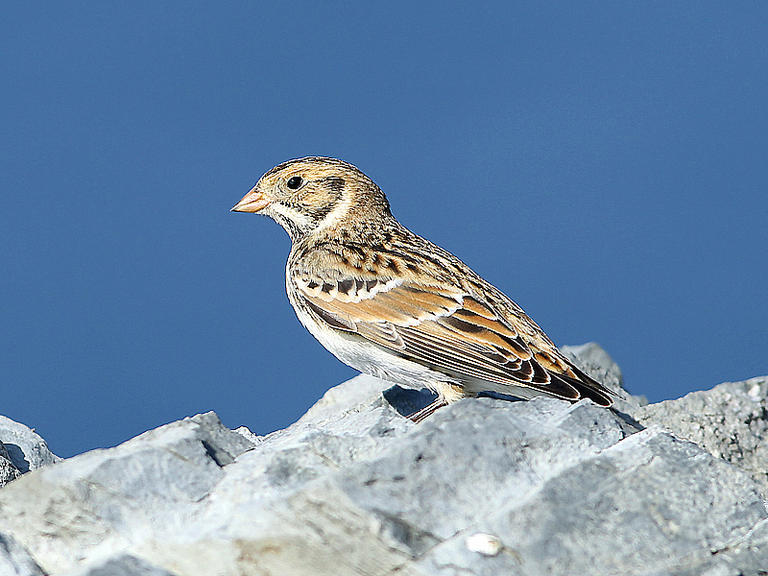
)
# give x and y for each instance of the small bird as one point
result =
(392, 304)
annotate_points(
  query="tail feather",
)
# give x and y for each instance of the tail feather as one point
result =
(590, 388)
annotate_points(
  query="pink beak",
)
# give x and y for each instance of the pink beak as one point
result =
(254, 201)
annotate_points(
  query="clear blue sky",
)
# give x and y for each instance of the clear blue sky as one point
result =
(604, 163)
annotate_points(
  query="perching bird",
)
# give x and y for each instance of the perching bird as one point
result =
(391, 304)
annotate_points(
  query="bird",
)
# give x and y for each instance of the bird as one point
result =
(392, 304)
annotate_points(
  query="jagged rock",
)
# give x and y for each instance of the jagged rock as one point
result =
(121, 565)
(484, 486)
(8, 471)
(26, 450)
(104, 499)
(730, 421)
(15, 560)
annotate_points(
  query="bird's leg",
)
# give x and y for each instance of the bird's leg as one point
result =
(430, 408)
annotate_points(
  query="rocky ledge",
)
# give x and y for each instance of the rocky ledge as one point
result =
(485, 486)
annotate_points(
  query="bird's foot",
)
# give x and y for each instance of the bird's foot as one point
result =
(428, 410)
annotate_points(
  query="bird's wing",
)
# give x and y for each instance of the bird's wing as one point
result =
(448, 329)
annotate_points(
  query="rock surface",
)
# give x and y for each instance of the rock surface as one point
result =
(120, 565)
(484, 486)
(15, 560)
(8, 471)
(730, 421)
(22, 447)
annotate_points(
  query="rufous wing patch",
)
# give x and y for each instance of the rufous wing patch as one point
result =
(451, 331)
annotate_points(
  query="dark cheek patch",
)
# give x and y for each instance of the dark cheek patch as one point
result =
(328, 196)
(319, 213)
(318, 200)
(335, 183)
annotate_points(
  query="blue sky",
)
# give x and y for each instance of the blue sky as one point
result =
(603, 163)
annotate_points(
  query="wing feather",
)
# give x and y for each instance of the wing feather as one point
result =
(448, 329)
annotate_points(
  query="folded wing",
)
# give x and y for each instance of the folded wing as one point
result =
(448, 329)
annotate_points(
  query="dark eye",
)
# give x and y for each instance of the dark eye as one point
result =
(295, 182)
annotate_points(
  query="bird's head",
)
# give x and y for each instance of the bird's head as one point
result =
(315, 193)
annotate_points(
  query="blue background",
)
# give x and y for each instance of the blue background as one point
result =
(604, 163)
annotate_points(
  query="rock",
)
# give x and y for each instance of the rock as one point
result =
(26, 450)
(745, 556)
(8, 470)
(15, 560)
(482, 487)
(121, 565)
(101, 501)
(730, 421)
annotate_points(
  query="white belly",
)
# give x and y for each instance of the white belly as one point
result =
(377, 361)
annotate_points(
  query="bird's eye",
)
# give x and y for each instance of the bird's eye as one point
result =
(295, 182)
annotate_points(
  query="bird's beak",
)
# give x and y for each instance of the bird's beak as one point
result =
(254, 201)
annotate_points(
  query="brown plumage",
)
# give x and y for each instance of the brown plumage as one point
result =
(392, 304)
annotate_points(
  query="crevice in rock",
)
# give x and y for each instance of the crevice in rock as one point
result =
(214, 455)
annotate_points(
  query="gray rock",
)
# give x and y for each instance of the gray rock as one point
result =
(107, 500)
(8, 470)
(648, 508)
(121, 565)
(742, 557)
(15, 560)
(730, 421)
(484, 486)
(26, 450)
